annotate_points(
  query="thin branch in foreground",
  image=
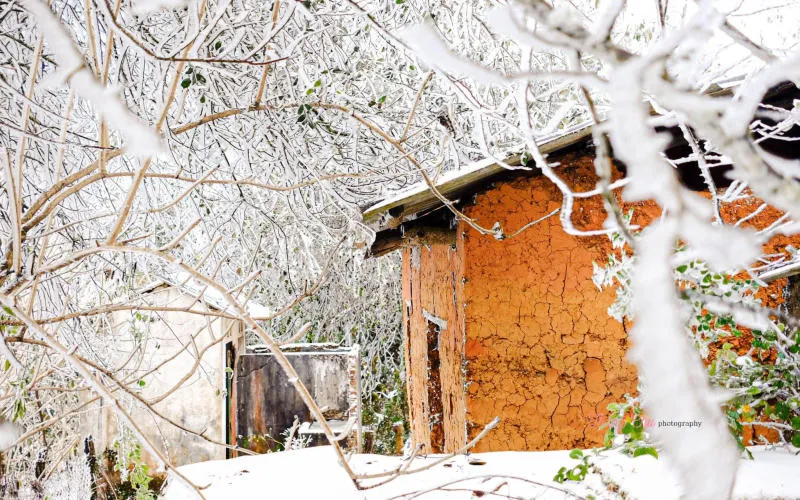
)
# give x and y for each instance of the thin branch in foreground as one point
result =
(402, 471)
(485, 477)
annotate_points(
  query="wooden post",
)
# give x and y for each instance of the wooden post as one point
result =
(399, 437)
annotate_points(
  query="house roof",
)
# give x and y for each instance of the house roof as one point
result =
(209, 296)
(405, 204)
(419, 197)
(392, 216)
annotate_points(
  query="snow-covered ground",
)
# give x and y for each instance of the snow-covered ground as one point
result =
(314, 473)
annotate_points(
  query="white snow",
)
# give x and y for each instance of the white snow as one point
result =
(215, 298)
(503, 22)
(675, 378)
(145, 7)
(141, 140)
(9, 433)
(722, 247)
(185, 282)
(314, 473)
(427, 44)
(421, 187)
(453, 175)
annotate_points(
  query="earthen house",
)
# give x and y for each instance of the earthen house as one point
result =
(514, 326)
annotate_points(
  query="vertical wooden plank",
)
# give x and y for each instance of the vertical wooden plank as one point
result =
(234, 348)
(417, 347)
(438, 312)
(434, 333)
(230, 398)
(451, 346)
(408, 304)
(354, 394)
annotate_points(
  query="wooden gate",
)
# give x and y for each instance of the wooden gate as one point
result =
(264, 408)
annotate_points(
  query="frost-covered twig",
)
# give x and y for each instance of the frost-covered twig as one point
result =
(485, 477)
(406, 469)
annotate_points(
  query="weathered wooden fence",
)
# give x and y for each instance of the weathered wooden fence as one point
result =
(264, 407)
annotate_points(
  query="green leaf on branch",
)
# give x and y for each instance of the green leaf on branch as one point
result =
(645, 450)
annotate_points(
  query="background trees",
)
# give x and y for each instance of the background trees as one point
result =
(233, 141)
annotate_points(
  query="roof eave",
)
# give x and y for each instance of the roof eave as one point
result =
(420, 197)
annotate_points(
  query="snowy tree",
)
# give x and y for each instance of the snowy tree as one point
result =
(233, 141)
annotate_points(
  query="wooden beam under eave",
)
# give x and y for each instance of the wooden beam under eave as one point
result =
(394, 239)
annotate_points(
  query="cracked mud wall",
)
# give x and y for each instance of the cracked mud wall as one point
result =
(537, 345)
(528, 338)
(541, 351)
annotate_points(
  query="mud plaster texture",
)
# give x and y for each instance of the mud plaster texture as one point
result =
(541, 351)
(521, 326)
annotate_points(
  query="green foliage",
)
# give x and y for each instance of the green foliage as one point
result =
(383, 408)
(127, 459)
(577, 473)
(192, 77)
(21, 396)
(261, 443)
(766, 386)
(626, 429)
(765, 381)
(19, 410)
(306, 115)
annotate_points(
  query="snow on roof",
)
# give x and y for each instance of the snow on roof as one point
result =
(308, 348)
(419, 196)
(210, 296)
(315, 473)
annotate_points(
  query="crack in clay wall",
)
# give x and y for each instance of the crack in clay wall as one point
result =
(435, 409)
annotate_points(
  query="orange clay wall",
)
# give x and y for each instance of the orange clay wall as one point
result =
(531, 342)
(541, 351)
